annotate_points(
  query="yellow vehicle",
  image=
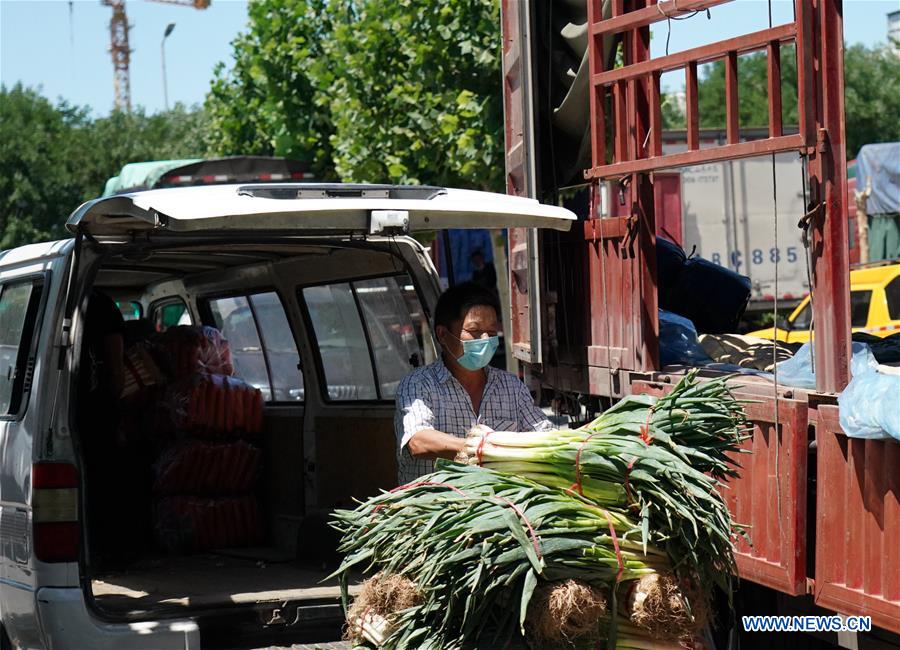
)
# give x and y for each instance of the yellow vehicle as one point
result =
(874, 307)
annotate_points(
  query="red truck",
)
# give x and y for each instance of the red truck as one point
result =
(822, 508)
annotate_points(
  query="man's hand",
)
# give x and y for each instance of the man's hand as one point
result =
(475, 433)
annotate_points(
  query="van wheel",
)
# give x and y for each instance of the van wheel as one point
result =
(5, 643)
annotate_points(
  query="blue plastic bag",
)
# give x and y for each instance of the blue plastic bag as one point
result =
(678, 342)
(870, 406)
(798, 372)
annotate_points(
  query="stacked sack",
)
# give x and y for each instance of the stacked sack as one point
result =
(205, 479)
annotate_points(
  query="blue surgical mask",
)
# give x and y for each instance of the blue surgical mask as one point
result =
(477, 353)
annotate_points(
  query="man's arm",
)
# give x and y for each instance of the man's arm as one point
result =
(431, 443)
(414, 424)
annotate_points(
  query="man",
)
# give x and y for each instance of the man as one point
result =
(438, 404)
(484, 273)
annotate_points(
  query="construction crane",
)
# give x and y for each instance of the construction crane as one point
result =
(121, 52)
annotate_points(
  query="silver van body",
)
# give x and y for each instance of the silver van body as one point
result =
(195, 245)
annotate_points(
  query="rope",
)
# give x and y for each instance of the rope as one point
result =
(645, 428)
(615, 541)
(804, 224)
(534, 538)
(480, 449)
(628, 477)
(670, 16)
(577, 485)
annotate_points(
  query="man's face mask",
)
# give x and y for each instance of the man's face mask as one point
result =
(477, 353)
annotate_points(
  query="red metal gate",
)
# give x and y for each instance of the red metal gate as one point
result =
(626, 110)
(858, 517)
(769, 498)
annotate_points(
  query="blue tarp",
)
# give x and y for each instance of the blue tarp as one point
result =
(462, 244)
(143, 174)
(880, 164)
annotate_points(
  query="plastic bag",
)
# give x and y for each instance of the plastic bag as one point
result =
(202, 468)
(678, 343)
(185, 524)
(214, 407)
(711, 296)
(188, 350)
(798, 371)
(869, 406)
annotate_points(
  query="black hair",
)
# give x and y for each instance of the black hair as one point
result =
(457, 300)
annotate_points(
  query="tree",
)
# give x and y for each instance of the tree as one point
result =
(405, 91)
(871, 96)
(52, 158)
(414, 92)
(266, 104)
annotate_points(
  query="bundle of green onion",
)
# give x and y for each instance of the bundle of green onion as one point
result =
(701, 420)
(477, 543)
(660, 459)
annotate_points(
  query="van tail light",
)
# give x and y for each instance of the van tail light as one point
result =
(54, 510)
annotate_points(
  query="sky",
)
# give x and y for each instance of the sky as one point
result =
(63, 47)
(43, 44)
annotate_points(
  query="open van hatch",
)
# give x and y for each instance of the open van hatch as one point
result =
(323, 208)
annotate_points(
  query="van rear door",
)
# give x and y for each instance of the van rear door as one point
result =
(321, 209)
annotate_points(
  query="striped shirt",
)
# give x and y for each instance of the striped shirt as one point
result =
(430, 397)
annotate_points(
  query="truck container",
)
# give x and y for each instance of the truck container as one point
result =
(585, 130)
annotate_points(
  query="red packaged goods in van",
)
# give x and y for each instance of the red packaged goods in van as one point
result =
(213, 407)
(190, 349)
(204, 468)
(198, 524)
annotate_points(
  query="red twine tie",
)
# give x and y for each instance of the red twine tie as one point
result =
(645, 429)
(480, 449)
(615, 540)
(534, 538)
(577, 485)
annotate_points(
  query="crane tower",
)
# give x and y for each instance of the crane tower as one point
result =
(120, 50)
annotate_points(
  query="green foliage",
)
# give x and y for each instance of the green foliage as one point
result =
(871, 92)
(405, 91)
(52, 158)
(267, 103)
(871, 96)
(414, 92)
(753, 96)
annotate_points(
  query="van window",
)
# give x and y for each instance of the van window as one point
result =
(131, 309)
(859, 308)
(392, 333)
(18, 304)
(803, 318)
(341, 342)
(369, 333)
(169, 313)
(892, 292)
(262, 345)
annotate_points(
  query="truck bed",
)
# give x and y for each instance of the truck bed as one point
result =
(209, 580)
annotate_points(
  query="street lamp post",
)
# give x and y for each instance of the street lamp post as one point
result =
(162, 48)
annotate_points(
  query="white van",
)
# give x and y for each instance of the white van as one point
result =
(326, 300)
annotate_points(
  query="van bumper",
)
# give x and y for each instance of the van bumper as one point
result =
(66, 623)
